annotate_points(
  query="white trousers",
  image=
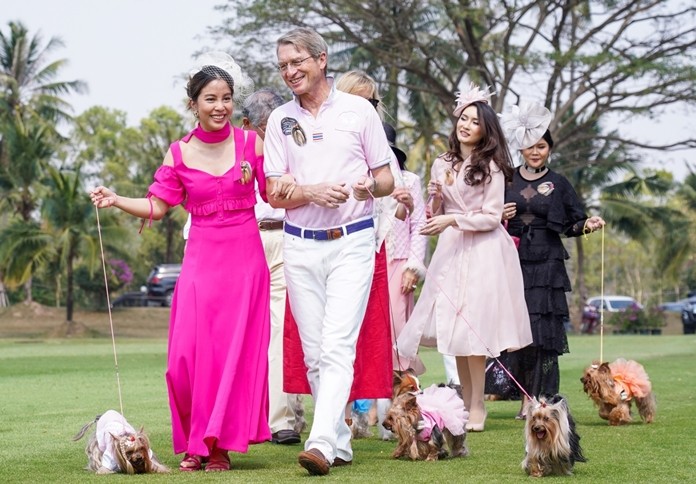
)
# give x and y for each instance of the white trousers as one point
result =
(451, 374)
(280, 413)
(328, 285)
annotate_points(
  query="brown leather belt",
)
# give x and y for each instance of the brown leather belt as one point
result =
(270, 224)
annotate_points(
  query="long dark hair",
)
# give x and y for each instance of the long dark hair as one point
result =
(492, 146)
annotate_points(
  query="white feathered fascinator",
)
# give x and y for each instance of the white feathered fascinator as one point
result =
(243, 85)
(472, 95)
(524, 125)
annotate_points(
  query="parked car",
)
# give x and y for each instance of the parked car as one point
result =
(161, 282)
(688, 316)
(131, 299)
(674, 306)
(612, 304)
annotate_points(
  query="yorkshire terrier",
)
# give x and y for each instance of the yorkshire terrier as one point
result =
(552, 443)
(427, 424)
(613, 386)
(115, 447)
(297, 406)
(402, 382)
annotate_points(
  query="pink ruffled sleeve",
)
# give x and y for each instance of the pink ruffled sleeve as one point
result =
(167, 186)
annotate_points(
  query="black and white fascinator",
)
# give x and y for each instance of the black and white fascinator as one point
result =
(525, 124)
(243, 84)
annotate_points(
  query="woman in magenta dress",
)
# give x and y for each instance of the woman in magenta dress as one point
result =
(217, 363)
(472, 303)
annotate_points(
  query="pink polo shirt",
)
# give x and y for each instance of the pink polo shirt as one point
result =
(344, 142)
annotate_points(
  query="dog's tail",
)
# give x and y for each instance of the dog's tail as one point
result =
(84, 429)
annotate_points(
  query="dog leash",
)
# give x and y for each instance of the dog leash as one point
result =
(108, 305)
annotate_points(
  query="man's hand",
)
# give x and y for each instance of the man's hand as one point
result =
(363, 188)
(328, 195)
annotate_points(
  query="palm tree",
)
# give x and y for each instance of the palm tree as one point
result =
(31, 104)
(69, 219)
(28, 79)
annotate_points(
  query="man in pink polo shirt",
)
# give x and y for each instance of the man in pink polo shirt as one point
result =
(326, 158)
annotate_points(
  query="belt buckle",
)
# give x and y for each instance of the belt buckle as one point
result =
(333, 234)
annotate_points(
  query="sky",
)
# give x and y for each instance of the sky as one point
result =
(132, 54)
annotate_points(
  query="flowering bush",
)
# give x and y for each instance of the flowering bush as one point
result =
(121, 271)
(634, 319)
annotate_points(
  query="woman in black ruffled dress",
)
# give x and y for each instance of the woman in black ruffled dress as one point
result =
(541, 205)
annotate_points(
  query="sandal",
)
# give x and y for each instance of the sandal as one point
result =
(520, 416)
(218, 461)
(191, 463)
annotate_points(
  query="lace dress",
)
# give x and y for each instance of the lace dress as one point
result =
(546, 209)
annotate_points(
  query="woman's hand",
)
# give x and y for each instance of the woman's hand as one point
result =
(403, 196)
(284, 186)
(409, 281)
(436, 225)
(102, 197)
(509, 211)
(594, 223)
(435, 189)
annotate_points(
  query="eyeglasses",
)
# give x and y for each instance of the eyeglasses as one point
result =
(296, 63)
(374, 102)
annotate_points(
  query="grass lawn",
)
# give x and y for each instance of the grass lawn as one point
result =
(50, 388)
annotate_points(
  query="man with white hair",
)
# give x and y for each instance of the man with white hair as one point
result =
(326, 159)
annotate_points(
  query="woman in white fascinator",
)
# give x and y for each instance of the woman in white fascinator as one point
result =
(217, 358)
(541, 205)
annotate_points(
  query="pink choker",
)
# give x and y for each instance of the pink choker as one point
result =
(212, 136)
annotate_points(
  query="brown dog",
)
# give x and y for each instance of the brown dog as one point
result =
(427, 424)
(552, 445)
(613, 386)
(115, 446)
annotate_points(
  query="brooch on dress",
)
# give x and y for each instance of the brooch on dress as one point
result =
(291, 127)
(246, 172)
(449, 177)
(545, 188)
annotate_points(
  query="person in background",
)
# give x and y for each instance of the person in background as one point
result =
(327, 158)
(377, 321)
(472, 302)
(217, 359)
(541, 205)
(281, 413)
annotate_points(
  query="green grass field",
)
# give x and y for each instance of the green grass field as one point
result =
(50, 388)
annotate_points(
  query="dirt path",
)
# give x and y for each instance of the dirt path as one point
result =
(37, 321)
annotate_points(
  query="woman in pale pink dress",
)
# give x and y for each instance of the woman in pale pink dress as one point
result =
(472, 304)
(405, 255)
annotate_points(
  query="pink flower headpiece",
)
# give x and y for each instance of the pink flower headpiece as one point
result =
(472, 95)
(524, 125)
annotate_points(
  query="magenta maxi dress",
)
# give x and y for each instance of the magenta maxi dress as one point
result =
(217, 362)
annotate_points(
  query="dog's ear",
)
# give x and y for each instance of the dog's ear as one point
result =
(396, 379)
(410, 403)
